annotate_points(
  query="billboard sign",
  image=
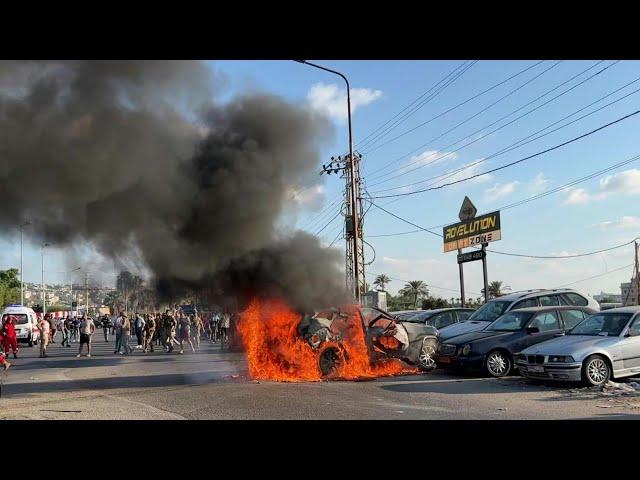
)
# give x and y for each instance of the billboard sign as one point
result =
(471, 232)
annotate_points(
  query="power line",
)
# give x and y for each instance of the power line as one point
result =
(507, 253)
(598, 276)
(455, 107)
(428, 285)
(446, 154)
(450, 74)
(555, 147)
(534, 197)
(328, 223)
(384, 167)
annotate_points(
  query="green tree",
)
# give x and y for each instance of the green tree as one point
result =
(415, 289)
(496, 289)
(381, 282)
(9, 286)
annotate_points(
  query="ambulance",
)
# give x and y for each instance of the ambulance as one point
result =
(26, 323)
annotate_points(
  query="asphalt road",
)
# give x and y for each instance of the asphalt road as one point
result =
(211, 384)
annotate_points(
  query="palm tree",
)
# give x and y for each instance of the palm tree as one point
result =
(416, 289)
(496, 289)
(381, 282)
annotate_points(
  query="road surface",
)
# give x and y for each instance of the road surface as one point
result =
(213, 385)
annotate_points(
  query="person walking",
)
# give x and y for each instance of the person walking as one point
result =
(185, 333)
(117, 327)
(106, 325)
(44, 327)
(196, 329)
(149, 331)
(87, 327)
(53, 324)
(170, 332)
(225, 322)
(139, 329)
(68, 326)
(9, 334)
(126, 334)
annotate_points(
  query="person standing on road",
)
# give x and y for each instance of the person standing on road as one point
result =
(53, 324)
(117, 326)
(106, 325)
(9, 334)
(68, 325)
(149, 331)
(139, 328)
(170, 332)
(225, 323)
(196, 329)
(87, 327)
(44, 327)
(126, 333)
(185, 333)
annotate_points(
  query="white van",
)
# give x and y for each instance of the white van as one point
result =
(26, 323)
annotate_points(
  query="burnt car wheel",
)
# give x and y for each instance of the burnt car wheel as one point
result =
(329, 361)
(498, 364)
(426, 360)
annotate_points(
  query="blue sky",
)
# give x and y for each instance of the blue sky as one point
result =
(596, 214)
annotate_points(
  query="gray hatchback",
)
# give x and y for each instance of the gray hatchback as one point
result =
(605, 345)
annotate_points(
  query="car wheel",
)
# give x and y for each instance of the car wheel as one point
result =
(595, 371)
(426, 360)
(329, 361)
(498, 364)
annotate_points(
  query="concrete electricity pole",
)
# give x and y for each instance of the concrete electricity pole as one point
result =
(353, 216)
(637, 279)
(42, 286)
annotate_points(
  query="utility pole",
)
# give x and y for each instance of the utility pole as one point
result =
(86, 292)
(44, 294)
(356, 271)
(21, 261)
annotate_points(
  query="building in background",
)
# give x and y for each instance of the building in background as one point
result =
(375, 299)
(628, 293)
(608, 297)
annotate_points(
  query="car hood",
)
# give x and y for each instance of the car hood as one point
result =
(462, 328)
(570, 345)
(475, 337)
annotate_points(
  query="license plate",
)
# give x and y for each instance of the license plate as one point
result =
(536, 369)
(445, 360)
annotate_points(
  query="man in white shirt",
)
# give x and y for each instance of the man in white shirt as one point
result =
(117, 325)
(87, 327)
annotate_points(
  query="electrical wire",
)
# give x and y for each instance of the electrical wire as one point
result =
(598, 276)
(555, 147)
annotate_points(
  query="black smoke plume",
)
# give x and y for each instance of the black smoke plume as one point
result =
(135, 158)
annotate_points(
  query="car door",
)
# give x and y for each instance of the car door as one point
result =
(630, 347)
(549, 326)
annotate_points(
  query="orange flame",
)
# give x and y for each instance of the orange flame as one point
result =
(275, 350)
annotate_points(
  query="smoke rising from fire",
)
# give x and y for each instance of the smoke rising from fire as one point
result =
(135, 158)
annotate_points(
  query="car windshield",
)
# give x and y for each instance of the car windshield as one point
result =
(490, 311)
(510, 322)
(419, 317)
(406, 317)
(18, 318)
(606, 324)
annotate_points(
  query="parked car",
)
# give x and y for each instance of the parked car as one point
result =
(529, 298)
(492, 350)
(404, 314)
(26, 323)
(603, 346)
(440, 317)
(385, 336)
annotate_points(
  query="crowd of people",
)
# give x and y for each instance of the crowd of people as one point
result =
(170, 330)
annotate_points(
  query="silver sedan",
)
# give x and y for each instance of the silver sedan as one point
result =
(605, 345)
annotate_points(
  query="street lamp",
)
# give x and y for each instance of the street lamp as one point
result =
(21, 261)
(44, 298)
(356, 274)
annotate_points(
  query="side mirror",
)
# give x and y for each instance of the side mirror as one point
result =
(531, 330)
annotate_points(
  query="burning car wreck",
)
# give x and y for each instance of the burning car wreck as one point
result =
(327, 333)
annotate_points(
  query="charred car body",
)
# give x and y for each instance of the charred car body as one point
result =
(385, 337)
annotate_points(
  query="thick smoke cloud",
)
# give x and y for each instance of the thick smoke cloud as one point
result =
(135, 158)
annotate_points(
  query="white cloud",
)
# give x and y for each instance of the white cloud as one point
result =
(500, 190)
(332, 100)
(626, 221)
(309, 197)
(429, 157)
(626, 182)
(470, 170)
(539, 183)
